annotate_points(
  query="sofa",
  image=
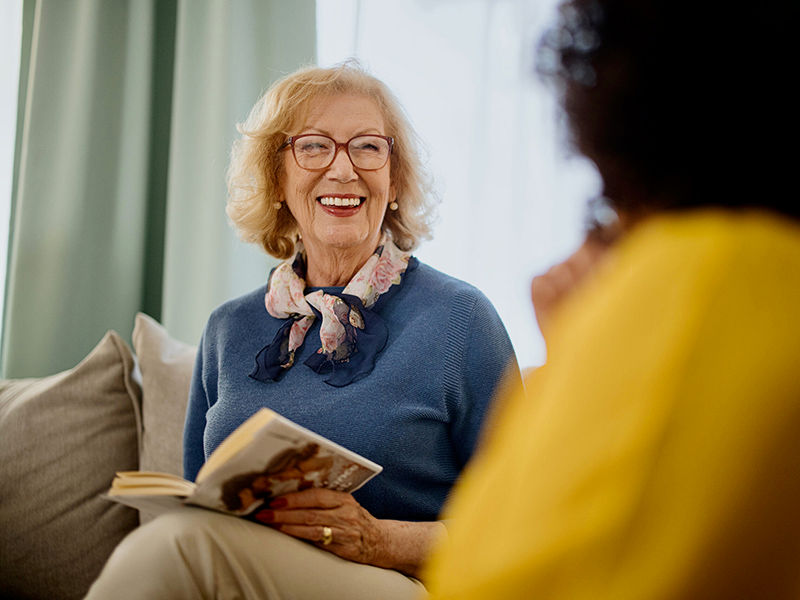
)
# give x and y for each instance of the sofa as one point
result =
(63, 437)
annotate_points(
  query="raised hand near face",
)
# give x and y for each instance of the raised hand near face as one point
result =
(549, 290)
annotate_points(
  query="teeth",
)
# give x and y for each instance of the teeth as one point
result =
(336, 201)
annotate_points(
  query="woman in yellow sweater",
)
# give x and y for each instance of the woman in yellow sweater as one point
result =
(657, 453)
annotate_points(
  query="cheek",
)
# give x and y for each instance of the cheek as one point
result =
(298, 194)
(378, 204)
(382, 188)
(297, 184)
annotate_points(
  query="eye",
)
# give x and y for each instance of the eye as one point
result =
(312, 145)
(367, 145)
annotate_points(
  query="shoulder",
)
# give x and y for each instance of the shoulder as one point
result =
(464, 310)
(238, 312)
(685, 281)
(434, 287)
(707, 249)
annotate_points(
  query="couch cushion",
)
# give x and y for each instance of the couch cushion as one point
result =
(63, 437)
(166, 366)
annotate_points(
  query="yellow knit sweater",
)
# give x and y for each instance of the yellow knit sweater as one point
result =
(657, 454)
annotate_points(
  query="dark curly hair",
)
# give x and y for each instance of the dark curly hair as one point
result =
(679, 104)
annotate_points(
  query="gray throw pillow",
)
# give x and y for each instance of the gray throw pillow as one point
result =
(63, 438)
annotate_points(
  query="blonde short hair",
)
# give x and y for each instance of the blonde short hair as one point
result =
(256, 164)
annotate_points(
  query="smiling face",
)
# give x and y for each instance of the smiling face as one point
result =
(339, 211)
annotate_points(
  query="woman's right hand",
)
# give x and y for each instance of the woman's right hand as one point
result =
(354, 533)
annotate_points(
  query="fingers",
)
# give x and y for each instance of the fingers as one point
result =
(548, 291)
(309, 515)
(319, 534)
(311, 498)
(314, 507)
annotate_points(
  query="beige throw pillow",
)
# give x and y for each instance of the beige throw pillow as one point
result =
(63, 438)
(166, 365)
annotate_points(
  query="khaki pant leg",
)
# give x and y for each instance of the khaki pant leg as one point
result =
(195, 553)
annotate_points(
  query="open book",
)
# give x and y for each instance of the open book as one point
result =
(266, 456)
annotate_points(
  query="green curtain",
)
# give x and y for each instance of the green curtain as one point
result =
(127, 112)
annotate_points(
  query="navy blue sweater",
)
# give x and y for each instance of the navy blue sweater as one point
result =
(418, 413)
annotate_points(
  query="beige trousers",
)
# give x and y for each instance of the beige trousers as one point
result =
(196, 553)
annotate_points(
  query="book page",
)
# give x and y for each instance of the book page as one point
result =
(147, 483)
(282, 457)
(238, 439)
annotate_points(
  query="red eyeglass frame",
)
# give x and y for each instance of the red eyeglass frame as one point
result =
(338, 146)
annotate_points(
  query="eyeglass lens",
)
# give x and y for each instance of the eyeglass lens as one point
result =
(318, 151)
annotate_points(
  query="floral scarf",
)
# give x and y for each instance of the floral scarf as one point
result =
(351, 334)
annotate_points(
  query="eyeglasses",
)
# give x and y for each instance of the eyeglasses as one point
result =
(315, 152)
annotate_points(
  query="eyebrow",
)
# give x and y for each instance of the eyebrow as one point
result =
(369, 131)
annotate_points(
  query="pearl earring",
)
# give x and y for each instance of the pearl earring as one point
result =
(277, 205)
(393, 206)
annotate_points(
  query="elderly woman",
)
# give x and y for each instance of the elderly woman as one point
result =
(660, 458)
(352, 337)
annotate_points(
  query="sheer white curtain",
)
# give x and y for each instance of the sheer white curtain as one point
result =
(10, 34)
(512, 196)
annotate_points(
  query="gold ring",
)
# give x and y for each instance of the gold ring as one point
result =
(327, 536)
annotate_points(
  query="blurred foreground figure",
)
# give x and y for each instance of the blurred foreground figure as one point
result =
(657, 453)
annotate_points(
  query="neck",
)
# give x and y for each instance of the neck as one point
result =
(334, 269)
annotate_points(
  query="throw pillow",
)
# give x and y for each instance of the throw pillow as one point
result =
(166, 366)
(63, 438)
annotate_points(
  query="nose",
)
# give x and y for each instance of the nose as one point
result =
(341, 169)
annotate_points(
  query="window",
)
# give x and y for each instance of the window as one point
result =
(10, 40)
(512, 195)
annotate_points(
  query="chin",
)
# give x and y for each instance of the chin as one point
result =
(342, 244)
(345, 238)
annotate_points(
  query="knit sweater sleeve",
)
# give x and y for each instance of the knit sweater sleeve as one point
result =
(480, 357)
